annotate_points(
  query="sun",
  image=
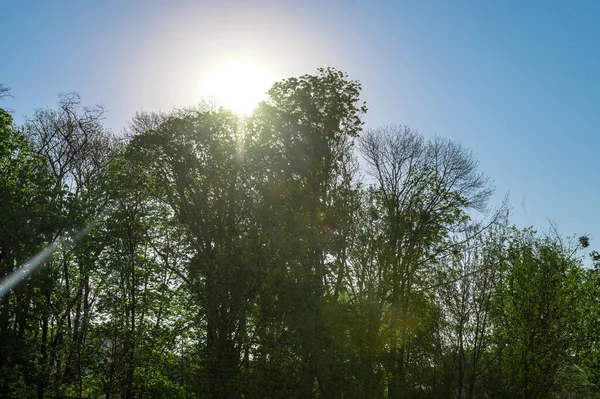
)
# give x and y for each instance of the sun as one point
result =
(238, 84)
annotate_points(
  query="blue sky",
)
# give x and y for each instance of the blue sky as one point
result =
(516, 82)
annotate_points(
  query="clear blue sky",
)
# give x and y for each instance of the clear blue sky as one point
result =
(517, 82)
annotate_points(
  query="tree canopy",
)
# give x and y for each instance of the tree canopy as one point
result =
(290, 253)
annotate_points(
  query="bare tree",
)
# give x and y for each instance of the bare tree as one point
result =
(73, 140)
(426, 188)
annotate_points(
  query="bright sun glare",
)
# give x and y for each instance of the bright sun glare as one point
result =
(238, 84)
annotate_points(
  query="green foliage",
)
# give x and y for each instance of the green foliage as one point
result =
(28, 222)
(536, 335)
(230, 257)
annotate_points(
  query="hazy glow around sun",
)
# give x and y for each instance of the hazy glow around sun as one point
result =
(237, 84)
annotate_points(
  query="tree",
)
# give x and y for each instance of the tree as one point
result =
(195, 157)
(142, 298)
(467, 303)
(76, 149)
(297, 144)
(29, 222)
(535, 335)
(423, 189)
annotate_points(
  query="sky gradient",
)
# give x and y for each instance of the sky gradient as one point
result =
(516, 82)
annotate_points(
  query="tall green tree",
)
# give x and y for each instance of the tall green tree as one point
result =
(76, 149)
(196, 157)
(535, 335)
(30, 220)
(298, 142)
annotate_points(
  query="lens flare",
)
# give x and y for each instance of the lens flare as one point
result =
(38, 260)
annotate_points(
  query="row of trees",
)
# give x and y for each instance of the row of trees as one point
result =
(289, 253)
